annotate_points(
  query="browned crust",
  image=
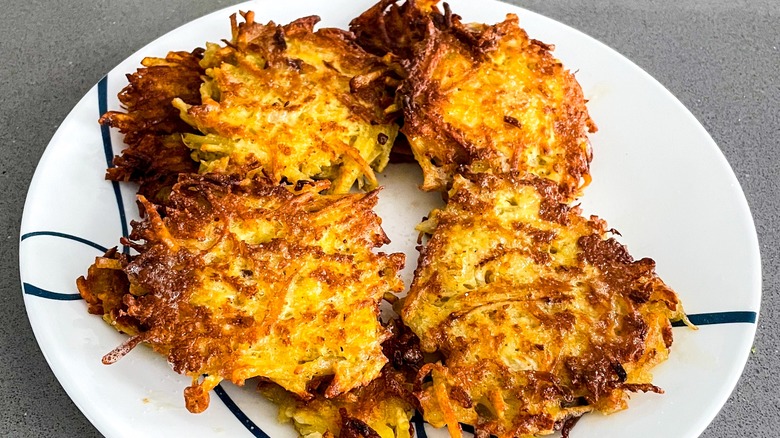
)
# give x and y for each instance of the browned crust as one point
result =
(104, 287)
(159, 293)
(445, 136)
(599, 319)
(147, 96)
(155, 154)
(390, 28)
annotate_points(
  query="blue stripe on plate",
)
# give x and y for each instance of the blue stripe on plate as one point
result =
(43, 293)
(719, 318)
(238, 413)
(109, 151)
(65, 236)
(419, 425)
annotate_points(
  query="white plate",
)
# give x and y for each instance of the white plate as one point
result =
(657, 177)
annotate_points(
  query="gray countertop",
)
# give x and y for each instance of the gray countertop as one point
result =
(720, 58)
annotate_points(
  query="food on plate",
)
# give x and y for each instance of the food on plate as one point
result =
(155, 154)
(539, 314)
(254, 261)
(383, 408)
(390, 28)
(293, 104)
(285, 102)
(245, 278)
(483, 96)
(371, 411)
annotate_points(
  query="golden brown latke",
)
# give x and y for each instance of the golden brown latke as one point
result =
(540, 315)
(492, 99)
(155, 154)
(244, 278)
(383, 408)
(293, 104)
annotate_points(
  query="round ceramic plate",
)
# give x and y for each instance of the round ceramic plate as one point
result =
(657, 177)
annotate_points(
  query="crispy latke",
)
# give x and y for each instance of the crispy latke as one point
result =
(294, 104)
(493, 99)
(155, 154)
(540, 315)
(245, 278)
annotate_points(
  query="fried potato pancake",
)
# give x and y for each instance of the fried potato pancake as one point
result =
(539, 314)
(155, 154)
(243, 278)
(495, 100)
(383, 408)
(294, 104)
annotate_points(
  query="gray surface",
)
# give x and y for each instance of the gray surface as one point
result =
(720, 58)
